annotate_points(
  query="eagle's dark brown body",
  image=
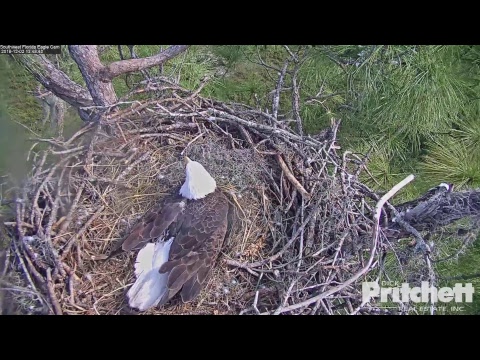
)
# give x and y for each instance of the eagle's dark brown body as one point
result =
(198, 228)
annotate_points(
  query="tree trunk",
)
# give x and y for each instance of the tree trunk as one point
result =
(86, 57)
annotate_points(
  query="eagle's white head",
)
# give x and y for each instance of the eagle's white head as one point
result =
(198, 183)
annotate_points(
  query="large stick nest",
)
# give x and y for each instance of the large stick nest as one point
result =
(302, 226)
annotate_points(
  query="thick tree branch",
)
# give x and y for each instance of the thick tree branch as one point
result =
(107, 73)
(86, 57)
(439, 210)
(55, 80)
(98, 77)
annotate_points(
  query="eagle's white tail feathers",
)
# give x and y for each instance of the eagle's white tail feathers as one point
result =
(150, 285)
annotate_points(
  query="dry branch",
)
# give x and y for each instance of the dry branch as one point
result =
(51, 293)
(55, 80)
(276, 97)
(291, 178)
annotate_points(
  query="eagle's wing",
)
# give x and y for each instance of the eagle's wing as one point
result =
(198, 240)
(151, 226)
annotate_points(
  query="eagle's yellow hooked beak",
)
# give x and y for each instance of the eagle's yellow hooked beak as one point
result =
(186, 160)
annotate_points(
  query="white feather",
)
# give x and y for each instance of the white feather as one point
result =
(446, 186)
(150, 285)
(198, 182)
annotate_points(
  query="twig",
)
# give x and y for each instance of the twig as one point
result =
(421, 244)
(72, 209)
(20, 257)
(287, 245)
(125, 172)
(195, 93)
(462, 248)
(296, 100)
(276, 97)
(26, 127)
(191, 142)
(177, 126)
(86, 128)
(293, 198)
(247, 136)
(292, 55)
(257, 293)
(241, 266)
(71, 281)
(14, 223)
(48, 229)
(431, 274)
(48, 141)
(292, 178)
(69, 151)
(65, 250)
(39, 189)
(215, 114)
(57, 309)
(6, 286)
(462, 277)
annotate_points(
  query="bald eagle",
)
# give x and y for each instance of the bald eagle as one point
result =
(179, 241)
